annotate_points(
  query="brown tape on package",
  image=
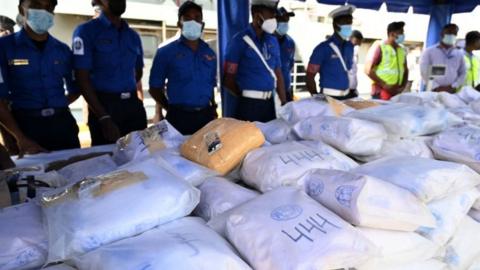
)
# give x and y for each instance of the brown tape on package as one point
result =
(223, 144)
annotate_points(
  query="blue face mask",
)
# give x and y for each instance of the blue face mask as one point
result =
(449, 40)
(192, 30)
(282, 28)
(39, 20)
(345, 31)
(400, 39)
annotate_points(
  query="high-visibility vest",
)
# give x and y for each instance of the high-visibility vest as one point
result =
(392, 67)
(472, 65)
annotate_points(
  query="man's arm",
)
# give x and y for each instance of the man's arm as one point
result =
(109, 128)
(229, 79)
(25, 144)
(281, 86)
(312, 71)
(462, 74)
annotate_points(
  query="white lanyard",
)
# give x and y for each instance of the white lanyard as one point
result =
(252, 45)
(339, 54)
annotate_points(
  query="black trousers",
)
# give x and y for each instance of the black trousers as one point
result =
(250, 109)
(56, 132)
(188, 121)
(289, 95)
(128, 114)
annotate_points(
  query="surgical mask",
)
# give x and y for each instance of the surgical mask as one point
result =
(282, 28)
(345, 31)
(117, 7)
(39, 20)
(269, 25)
(192, 30)
(400, 39)
(449, 39)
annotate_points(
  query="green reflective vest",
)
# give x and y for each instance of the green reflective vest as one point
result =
(392, 67)
(472, 65)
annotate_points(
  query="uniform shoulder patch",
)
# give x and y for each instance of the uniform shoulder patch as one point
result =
(78, 46)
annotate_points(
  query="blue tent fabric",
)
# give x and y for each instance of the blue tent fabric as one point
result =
(419, 6)
(233, 17)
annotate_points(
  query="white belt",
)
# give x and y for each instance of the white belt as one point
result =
(335, 92)
(257, 94)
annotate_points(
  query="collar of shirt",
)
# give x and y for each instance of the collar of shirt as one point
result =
(337, 41)
(183, 41)
(22, 38)
(449, 52)
(251, 32)
(105, 21)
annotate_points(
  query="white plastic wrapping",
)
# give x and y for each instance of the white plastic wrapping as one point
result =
(432, 264)
(286, 230)
(463, 249)
(23, 242)
(283, 164)
(398, 147)
(296, 111)
(468, 94)
(404, 120)
(90, 167)
(276, 131)
(366, 201)
(140, 144)
(416, 98)
(451, 101)
(351, 136)
(475, 214)
(219, 195)
(461, 144)
(98, 211)
(449, 213)
(185, 169)
(184, 244)
(427, 179)
(397, 248)
(60, 267)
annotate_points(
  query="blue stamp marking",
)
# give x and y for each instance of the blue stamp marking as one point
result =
(315, 188)
(344, 195)
(286, 212)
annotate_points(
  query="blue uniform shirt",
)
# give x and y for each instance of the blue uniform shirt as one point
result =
(191, 74)
(111, 55)
(251, 73)
(287, 54)
(326, 61)
(32, 78)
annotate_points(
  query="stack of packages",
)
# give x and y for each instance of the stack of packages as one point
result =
(326, 186)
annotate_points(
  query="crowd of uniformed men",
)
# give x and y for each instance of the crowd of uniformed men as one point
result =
(105, 64)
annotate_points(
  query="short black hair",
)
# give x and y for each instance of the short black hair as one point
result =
(357, 34)
(472, 37)
(259, 8)
(188, 5)
(450, 25)
(395, 26)
(7, 23)
(54, 2)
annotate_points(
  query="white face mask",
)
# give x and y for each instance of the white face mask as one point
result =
(269, 25)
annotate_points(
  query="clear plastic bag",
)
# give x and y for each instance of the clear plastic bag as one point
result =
(183, 244)
(98, 211)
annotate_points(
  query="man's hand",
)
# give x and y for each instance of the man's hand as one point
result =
(448, 89)
(110, 130)
(28, 147)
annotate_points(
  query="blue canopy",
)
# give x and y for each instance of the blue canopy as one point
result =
(233, 16)
(419, 6)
